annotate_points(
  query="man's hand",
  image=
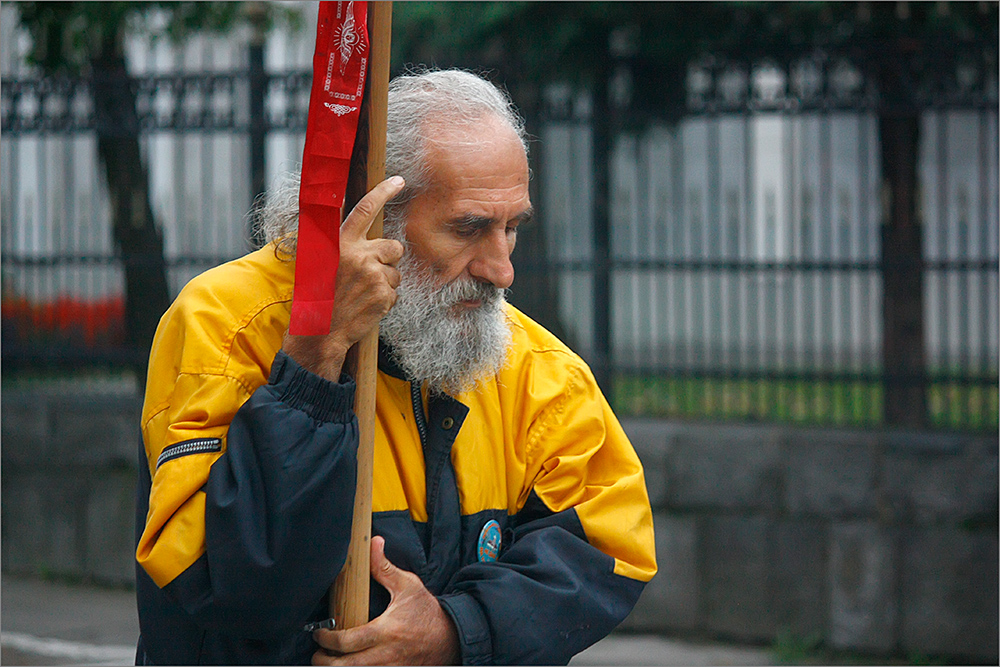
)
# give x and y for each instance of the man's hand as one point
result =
(366, 287)
(414, 630)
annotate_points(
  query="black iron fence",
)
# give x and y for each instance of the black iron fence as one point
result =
(750, 266)
(63, 278)
(738, 276)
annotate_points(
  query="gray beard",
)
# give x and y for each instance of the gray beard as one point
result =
(432, 338)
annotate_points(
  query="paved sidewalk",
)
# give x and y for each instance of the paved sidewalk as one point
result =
(623, 649)
(46, 623)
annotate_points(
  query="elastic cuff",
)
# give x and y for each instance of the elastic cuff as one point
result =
(473, 630)
(318, 397)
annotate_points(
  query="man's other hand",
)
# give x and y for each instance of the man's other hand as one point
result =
(367, 279)
(413, 630)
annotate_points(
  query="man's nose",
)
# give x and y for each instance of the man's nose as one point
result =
(492, 261)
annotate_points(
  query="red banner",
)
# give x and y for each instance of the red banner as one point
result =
(340, 64)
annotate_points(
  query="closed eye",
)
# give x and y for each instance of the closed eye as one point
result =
(470, 225)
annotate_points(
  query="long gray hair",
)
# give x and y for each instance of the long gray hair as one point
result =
(417, 100)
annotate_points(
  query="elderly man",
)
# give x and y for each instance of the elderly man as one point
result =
(510, 512)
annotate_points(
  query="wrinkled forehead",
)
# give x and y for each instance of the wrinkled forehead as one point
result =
(484, 134)
(464, 150)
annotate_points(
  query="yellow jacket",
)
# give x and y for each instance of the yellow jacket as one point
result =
(521, 504)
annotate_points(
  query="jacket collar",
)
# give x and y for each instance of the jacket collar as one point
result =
(387, 362)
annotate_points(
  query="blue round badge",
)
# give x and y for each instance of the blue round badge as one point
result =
(489, 542)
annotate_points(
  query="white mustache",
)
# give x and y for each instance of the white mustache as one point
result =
(468, 289)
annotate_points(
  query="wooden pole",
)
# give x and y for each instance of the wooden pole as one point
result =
(349, 594)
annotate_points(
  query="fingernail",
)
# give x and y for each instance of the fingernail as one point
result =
(397, 180)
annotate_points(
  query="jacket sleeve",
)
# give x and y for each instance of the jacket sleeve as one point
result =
(581, 548)
(253, 549)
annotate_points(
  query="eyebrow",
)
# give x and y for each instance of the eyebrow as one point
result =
(475, 223)
(525, 216)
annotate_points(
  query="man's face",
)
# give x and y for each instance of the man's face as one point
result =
(448, 325)
(465, 224)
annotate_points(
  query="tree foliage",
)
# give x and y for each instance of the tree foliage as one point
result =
(571, 41)
(67, 36)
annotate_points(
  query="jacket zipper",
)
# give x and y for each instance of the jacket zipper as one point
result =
(418, 413)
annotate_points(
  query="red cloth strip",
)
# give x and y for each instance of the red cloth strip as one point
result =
(340, 64)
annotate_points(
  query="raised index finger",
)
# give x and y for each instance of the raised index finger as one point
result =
(360, 220)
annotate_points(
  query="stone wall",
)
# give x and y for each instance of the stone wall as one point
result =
(877, 542)
(68, 484)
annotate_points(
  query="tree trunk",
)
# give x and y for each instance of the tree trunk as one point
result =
(903, 356)
(136, 237)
